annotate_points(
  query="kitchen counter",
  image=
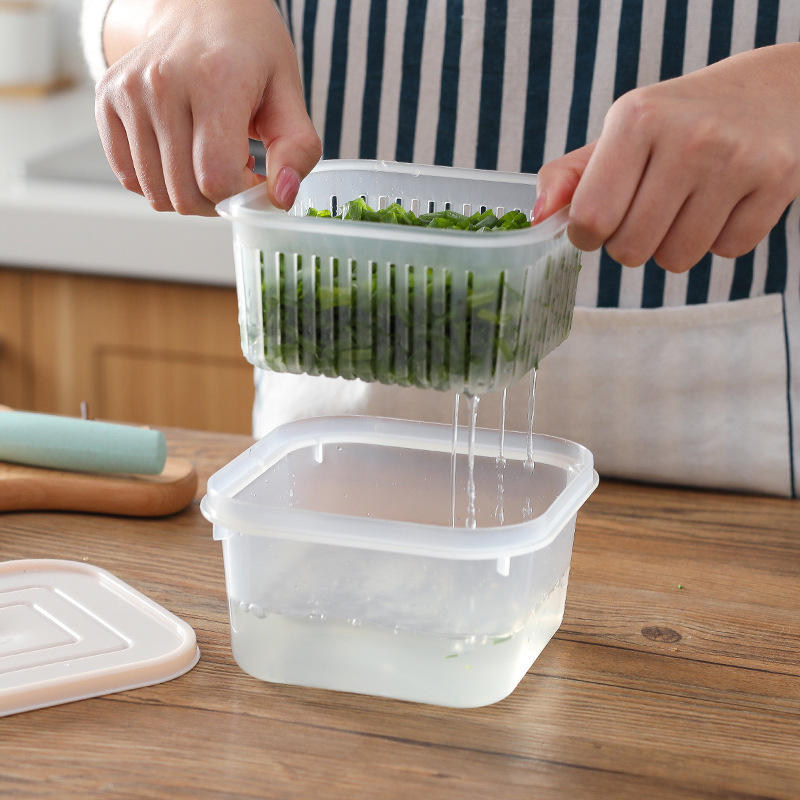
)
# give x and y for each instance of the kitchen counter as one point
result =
(675, 674)
(61, 207)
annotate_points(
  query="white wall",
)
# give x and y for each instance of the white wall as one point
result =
(71, 54)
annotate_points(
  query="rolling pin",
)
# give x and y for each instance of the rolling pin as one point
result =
(68, 443)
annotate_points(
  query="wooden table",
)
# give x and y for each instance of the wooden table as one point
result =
(676, 673)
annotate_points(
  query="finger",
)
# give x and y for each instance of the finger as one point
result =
(128, 136)
(693, 230)
(651, 212)
(142, 144)
(146, 155)
(218, 181)
(175, 138)
(116, 147)
(609, 183)
(749, 222)
(557, 180)
(221, 146)
(293, 146)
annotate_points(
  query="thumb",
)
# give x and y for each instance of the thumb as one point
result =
(293, 147)
(557, 180)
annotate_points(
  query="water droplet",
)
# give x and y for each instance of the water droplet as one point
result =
(257, 611)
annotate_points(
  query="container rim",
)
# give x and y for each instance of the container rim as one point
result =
(253, 207)
(230, 514)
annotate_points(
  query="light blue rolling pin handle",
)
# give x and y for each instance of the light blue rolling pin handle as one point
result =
(45, 440)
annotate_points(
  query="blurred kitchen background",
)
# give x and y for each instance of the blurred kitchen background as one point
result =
(103, 301)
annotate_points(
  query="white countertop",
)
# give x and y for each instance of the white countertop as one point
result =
(91, 225)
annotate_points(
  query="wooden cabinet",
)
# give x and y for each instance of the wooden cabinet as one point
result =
(15, 376)
(162, 354)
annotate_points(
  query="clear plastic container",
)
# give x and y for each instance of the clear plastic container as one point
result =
(344, 569)
(442, 309)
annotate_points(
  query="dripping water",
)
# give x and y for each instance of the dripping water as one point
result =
(500, 461)
(474, 399)
(471, 521)
(527, 511)
(453, 454)
(529, 464)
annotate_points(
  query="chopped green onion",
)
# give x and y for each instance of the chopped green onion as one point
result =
(395, 214)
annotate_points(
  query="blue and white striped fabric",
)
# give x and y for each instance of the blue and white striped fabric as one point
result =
(468, 83)
(691, 378)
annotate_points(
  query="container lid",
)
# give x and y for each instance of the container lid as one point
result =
(70, 630)
(293, 484)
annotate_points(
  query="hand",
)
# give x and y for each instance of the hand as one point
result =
(705, 162)
(191, 82)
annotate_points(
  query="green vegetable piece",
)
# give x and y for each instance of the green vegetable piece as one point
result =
(487, 221)
(454, 217)
(513, 220)
(478, 216)
(354, 209)
(395, 214)
(506, 350)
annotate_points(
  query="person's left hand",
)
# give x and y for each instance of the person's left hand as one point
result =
(705, 162)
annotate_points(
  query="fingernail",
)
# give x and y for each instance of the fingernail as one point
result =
(539, 206)
(286, 187)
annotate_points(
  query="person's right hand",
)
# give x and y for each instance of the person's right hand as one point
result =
(190, 82)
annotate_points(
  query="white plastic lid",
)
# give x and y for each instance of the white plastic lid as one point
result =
(70, 630)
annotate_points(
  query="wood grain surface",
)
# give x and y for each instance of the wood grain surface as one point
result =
(148, 352)
(676, 673)
(36, 488)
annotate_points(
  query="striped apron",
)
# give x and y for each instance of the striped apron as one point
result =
(689, 379)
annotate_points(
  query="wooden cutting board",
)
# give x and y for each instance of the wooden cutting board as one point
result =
(24, 488)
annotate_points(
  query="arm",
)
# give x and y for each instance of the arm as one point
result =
(190, 82)
(705, 162)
